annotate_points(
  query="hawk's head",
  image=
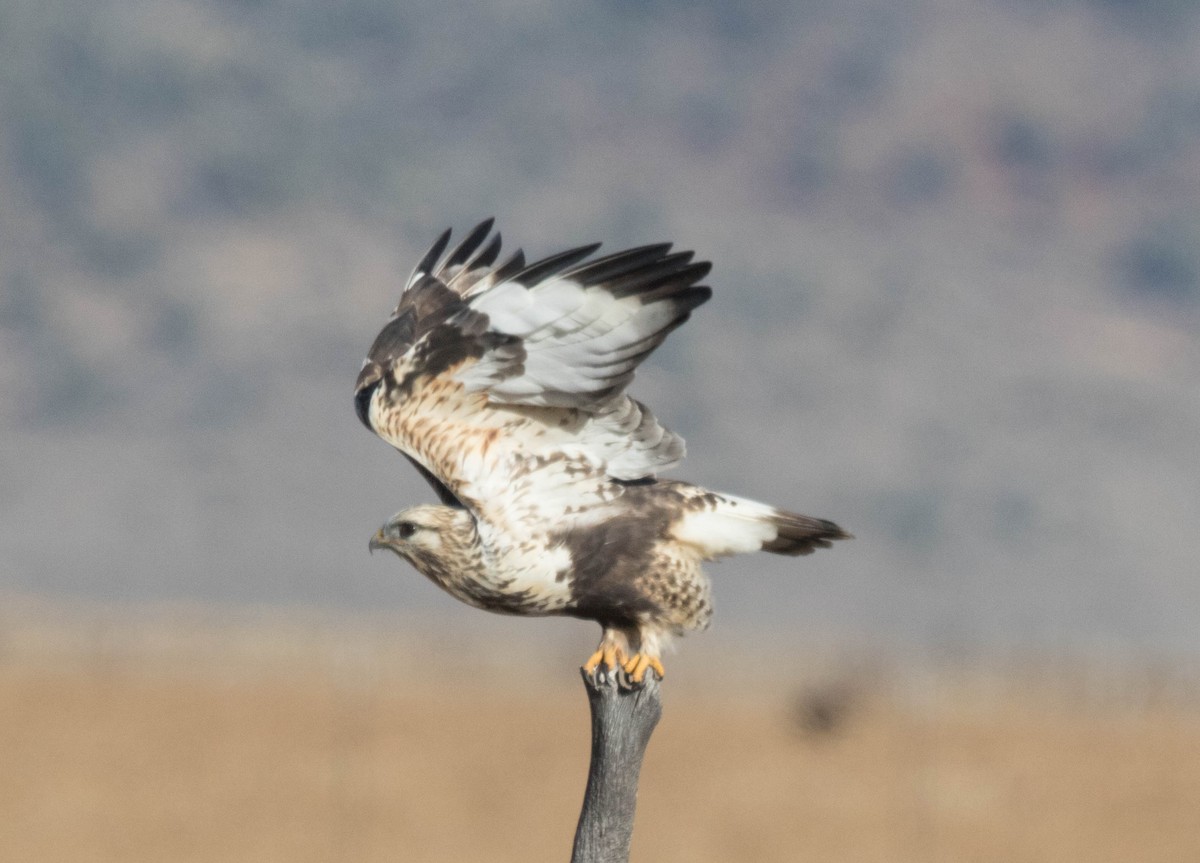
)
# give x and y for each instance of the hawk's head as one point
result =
(439, 541)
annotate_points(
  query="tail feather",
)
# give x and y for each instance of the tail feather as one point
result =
(801, 534)
(718, 525)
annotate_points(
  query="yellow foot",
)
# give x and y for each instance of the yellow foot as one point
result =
(636, 667)
(609, 655)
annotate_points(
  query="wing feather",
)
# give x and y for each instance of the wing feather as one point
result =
(557, 340)
(582, 344)
(466, 249)
(428, 263)
(617, 264)
(541, 270)
(509, 268)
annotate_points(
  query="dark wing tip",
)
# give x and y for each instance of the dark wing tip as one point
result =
(700, 269)
(368, 381)
(618, 264)
(553, 265)
(428, 262)
(658, 278)
(490, 252)
(693, 297)
(464, 250)
(509, 268)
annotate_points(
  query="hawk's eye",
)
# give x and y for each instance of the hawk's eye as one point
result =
(405, 529)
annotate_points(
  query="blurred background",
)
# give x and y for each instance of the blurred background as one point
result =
(956, 249)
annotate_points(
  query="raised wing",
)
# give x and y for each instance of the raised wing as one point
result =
(537, 356)
(582, 331)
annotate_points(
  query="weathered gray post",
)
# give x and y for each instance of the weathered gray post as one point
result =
(622, 721)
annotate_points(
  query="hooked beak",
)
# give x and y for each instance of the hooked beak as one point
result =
(379, 540)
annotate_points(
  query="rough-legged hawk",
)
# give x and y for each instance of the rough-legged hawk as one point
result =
(505, 386)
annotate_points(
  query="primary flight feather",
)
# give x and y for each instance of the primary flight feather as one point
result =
(504, 384)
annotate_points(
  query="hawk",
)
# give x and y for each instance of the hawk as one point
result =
(505, 384)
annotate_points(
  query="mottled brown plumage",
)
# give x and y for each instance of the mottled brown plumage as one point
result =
(505, 386)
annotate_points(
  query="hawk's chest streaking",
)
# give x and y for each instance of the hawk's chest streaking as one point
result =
(525, 500)
(505, 385)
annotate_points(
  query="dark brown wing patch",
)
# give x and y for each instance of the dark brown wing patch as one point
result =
(444, 330)
(610, 560)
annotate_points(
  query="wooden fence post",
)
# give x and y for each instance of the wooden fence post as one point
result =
(622, 721)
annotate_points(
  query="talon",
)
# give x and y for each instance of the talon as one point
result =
(609, 655)
(637, 665)
(593, 662)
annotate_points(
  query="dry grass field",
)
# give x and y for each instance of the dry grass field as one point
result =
(198, 745)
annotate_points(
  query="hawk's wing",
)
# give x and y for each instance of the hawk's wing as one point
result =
(528, 360)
